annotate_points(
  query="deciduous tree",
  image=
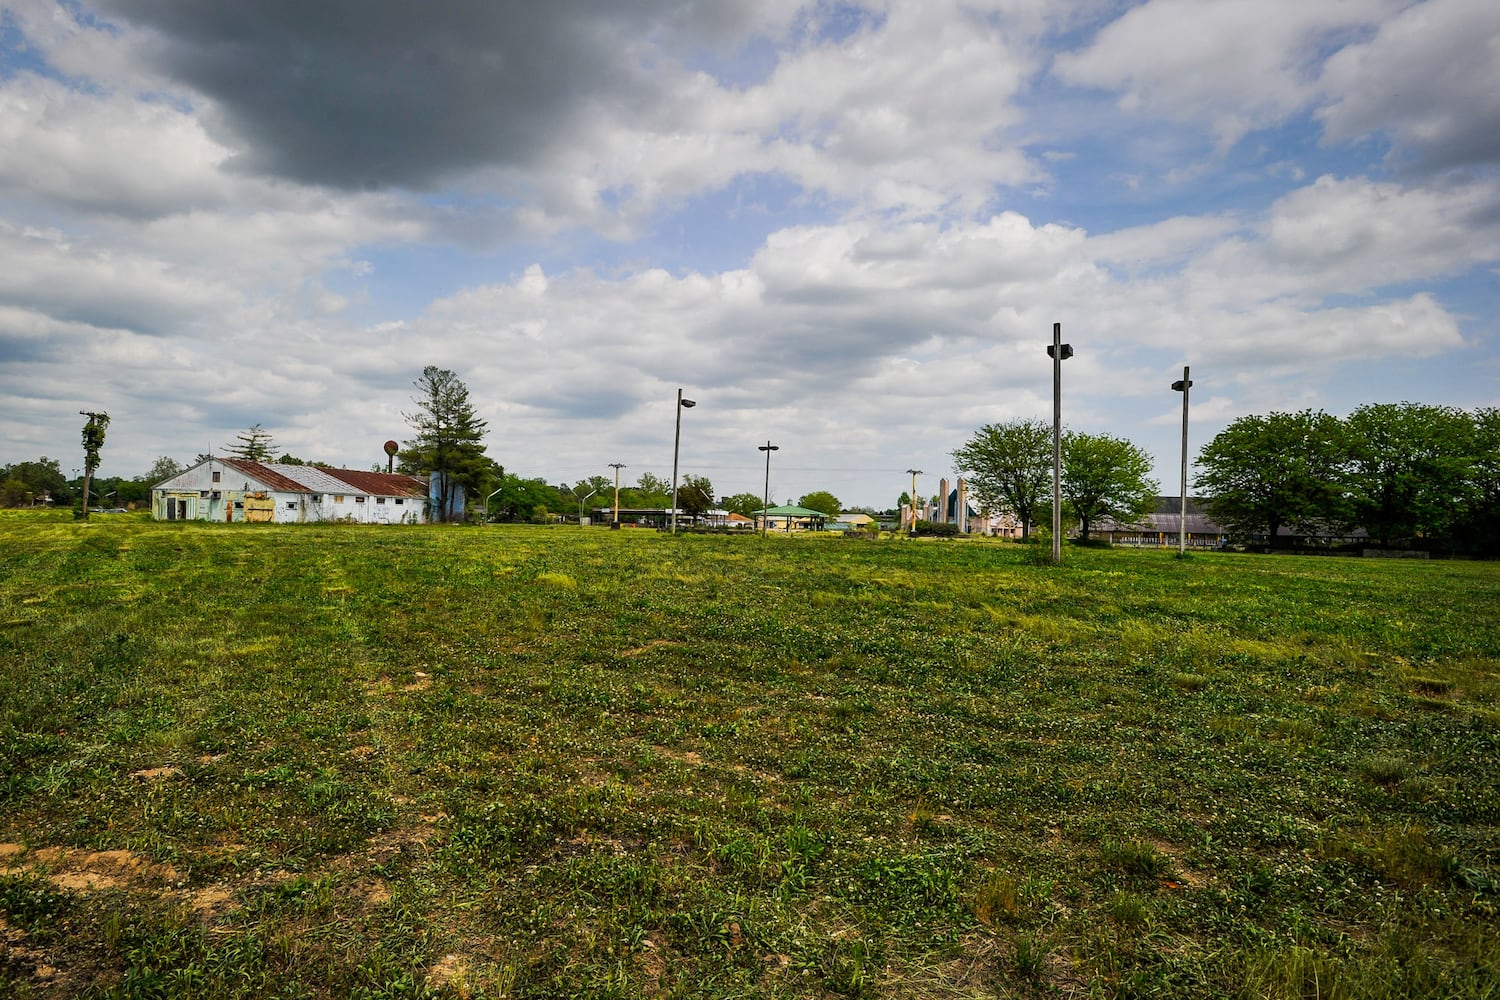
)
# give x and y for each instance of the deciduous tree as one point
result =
(1408, 469)
(821, 500)
(744, 504)
(162, 469)
(1009, 468)
(1104, 476)
(1260, 474)
(695, 495)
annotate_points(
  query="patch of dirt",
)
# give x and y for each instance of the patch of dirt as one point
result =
(685, 756)
(214, 901)
(362, 752)
(422, 683)
(8, 851)
(1183, 875)
(82, 871)
(157, 773)
(450, 971)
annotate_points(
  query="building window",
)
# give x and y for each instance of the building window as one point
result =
(203, 494)
(217, 475)
(399, 501)
(359, 499)
(338, 498)
(239, 505)
(317, 498)
(291, 505)
(214, 495)
(380, 499)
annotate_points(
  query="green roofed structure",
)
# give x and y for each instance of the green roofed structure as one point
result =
(791, 518)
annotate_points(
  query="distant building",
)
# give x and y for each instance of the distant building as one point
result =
(236, 489)
(1160, 527)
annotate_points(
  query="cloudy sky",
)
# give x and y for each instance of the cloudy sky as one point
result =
(844, 227)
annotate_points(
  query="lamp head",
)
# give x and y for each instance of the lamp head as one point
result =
(687, 403)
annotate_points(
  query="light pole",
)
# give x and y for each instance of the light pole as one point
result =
(1058, 352)
(914, 474)
(1183, 386)
(487, 503)
(682, 404)
(617, 466)
(581, 503)
(765, 503)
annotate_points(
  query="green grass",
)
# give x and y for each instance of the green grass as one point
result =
(539, 762)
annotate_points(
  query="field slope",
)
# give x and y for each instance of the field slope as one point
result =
(538, 762)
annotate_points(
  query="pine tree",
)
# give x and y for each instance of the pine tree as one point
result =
(449, 437)
(255, 445)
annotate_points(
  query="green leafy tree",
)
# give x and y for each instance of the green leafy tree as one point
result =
(695, 495)
(1408, 469)
(821, 500)
(162, 469)
(1261, 474)
(1479, 529)
(650, 491)
(41, 478)
(1105, 476)
(1009, 468)
(449, 440)
(15, 493)
(93, 444)
(253, 444)
(521, 499)
(744, 504)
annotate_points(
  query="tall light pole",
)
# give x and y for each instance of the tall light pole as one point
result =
(765, 503)
(914, 474)
(1183, 386)
(582, 502)
(1058, 352)
(617, 466)
(682, 404)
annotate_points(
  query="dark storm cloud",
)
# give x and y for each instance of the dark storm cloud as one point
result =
(378, 93)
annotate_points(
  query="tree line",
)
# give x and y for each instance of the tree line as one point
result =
(1407, 474)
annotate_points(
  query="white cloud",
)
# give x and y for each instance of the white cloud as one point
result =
(1234, 65)
(1428, 79)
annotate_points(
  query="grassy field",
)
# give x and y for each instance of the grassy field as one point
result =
(541, 762)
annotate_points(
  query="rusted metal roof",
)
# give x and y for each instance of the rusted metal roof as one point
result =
(384, 484)
(266, 474)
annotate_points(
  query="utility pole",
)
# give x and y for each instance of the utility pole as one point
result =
(1059, 353)
(93, 441)
(1183, 387)
(914, 473)
(682, 404)
(617, 466)
(765, 503)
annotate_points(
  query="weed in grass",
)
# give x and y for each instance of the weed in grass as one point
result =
(1385, 771)
(1029, 957)
(1129, 911)
(997, 900)
(1432, 685)
(1190, 682)
(1139, 863)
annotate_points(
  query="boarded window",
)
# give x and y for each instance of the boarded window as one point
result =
(338, 498)
(217, 475)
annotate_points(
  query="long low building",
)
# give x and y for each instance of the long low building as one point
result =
(236, 489)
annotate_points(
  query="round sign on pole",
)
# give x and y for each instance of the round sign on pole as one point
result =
(392, 447)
